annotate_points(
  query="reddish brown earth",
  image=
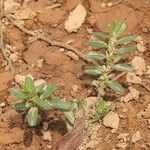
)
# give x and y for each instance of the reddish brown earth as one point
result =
(66, 72)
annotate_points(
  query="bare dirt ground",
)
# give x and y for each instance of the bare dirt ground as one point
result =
(48, 17)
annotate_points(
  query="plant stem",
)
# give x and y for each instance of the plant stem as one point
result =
(108, 68)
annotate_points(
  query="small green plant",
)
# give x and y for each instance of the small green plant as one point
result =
(32, 99)
(116, 48)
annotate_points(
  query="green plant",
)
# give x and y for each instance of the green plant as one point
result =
(115, 50)
(32, 99)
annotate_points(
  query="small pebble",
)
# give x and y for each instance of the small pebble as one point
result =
(47, 136)
(39, 82)
(14, 57)
(61, 49)
(2, 105)
(122, 145)
(136, 137)
(49, 146)
(21, 78)
(39, 63)
(111, 120)
(123, 136)
(113, 131)
(70, 41)
(103, 5)
(75, 88)
(145, 29)
(109, 4)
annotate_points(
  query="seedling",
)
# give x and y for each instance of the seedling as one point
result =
(115, 48)
(32, 99)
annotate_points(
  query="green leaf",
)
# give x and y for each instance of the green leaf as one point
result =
(95, 55)
(39, 88)
(114, 85)
(29, 85)
(126, 49)
(18, 93)
(48, 91)
(118, 27)
(125, 40)
(42, 103)
(70, 117)
(118, 57)
(122, 67)
(93, 70)
(20, 106)
(98, 44)
(80, 104)
(60, 104)
(32, 116)
(100, 105)
(101, 35)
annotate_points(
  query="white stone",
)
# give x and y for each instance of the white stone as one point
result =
(136, 137)
(111, 120)
(39, 63)
(10, 5)
(132, 95)
(103, 5)
(61, 49)
(133, 78)
(47, 136)
(140, 47)
(14, 57)
(109, 4)
(122, 145)
(123, 136)
(25, 13)
(20, 79)
(140, 44)
(39, 82)
(139, 65)
(75, 19)
(2, 105)
(75, 88)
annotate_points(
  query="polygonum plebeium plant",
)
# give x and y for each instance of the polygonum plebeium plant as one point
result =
(109, 60)
(32, 99)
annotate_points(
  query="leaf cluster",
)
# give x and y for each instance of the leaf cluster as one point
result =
(32, 99)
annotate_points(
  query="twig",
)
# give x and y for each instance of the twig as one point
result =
(119, 75)
(2, 46)
(51, 42)
(53, 6)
